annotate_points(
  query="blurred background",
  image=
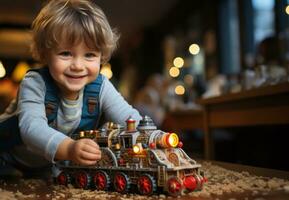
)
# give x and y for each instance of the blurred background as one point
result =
(174, 52)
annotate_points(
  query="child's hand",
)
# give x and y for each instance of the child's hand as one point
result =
(84, 152)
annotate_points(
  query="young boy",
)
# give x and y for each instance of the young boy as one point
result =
(72, 38)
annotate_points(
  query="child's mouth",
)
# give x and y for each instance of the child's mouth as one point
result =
(76, 77)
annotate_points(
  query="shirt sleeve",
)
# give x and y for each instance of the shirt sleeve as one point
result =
(36, 134)
(114, 106)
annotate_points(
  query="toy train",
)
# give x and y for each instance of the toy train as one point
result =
(139, 158)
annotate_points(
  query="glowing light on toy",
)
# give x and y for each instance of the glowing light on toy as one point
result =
(137, 148)
(173, 140)
(168, 140)
(81, 134)
(287, 10)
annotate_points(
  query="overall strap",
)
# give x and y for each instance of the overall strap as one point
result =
(91, 108)
(51, 96)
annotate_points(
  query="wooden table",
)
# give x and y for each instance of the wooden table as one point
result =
(180, 120)
(267, 105)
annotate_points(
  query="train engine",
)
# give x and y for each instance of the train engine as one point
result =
(139, 158)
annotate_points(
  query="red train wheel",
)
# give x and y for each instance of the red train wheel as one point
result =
(146, 184)
(121, 182)
(82, 180)
(101, 180)
(174, 186)
(190, 183)
(63, 178)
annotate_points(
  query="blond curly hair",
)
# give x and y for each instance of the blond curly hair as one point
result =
(72, 21)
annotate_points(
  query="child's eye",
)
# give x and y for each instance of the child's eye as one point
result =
(90, 55)
(65, 53)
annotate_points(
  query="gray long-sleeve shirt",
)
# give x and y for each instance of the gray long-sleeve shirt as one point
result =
(39, 138)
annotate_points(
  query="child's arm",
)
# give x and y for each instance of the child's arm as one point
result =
(114, 106)
(83, 151)
(38, 136)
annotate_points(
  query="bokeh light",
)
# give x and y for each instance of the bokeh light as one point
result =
(20, 71)
(106, 70)
(179, 62)
(180, 90)
(174, 72)
(2, 70)
(194, 49)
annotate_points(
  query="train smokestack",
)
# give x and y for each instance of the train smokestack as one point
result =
(130, 125)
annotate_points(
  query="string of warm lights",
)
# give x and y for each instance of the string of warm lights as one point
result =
(178, 64)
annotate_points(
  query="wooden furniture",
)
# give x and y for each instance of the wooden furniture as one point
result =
(180, 120)
(267, 105)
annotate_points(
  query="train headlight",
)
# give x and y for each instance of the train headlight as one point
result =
(173, 140)
(137, 148)
(81, 134)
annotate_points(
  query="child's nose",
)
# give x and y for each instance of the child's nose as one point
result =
(77, 64)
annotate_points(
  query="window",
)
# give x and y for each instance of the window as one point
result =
(264, 19)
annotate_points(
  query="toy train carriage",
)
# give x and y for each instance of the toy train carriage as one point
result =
(144, 158)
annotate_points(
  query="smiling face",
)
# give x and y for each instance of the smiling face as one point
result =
(73, 67)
